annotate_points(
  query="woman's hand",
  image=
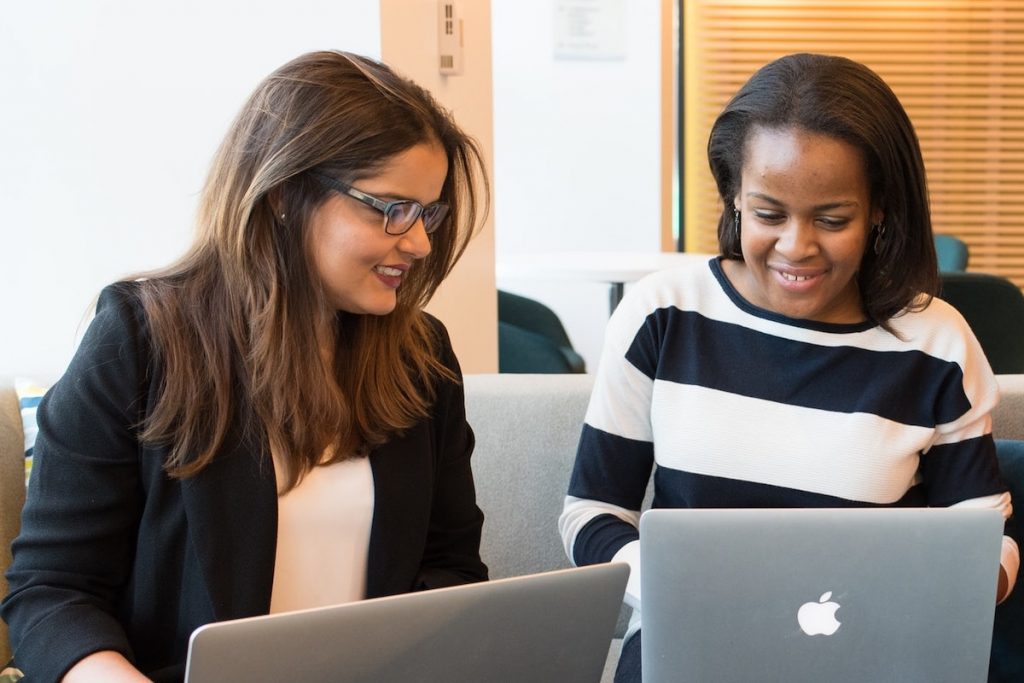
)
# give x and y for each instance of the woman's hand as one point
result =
(107, 666)
(1003, 587)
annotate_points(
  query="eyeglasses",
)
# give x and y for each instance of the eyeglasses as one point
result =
(399, 215)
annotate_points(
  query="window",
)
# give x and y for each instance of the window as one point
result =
(957, 66)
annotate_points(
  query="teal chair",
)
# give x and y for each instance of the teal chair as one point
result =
(1007, 662)
(952, 253)
(531, 338)
(994, 308)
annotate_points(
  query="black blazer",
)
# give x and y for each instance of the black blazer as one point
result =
(113, 554)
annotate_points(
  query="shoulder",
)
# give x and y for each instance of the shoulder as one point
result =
(438, 333)
(938, 311)
(937, 329)
(689, 287)
(941, 332)
(670, 284)
(436, 327)
(109, 371)
(441, 342)
(119, 324)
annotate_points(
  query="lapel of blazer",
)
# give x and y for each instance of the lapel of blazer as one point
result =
(231, 507)
(403, 483)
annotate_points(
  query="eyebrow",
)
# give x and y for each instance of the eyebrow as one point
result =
(820, 207)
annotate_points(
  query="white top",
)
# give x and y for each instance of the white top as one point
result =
(323, 537)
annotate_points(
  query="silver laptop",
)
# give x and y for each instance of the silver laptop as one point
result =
(838, 595)
(555, 626)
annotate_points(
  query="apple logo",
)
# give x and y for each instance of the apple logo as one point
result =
(819, 618)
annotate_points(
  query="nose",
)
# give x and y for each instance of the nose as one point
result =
(415, 241)
(797, 240)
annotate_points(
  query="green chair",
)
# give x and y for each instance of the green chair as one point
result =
(952, 253)
(1007, 662)
(994, 308)
(531, 338)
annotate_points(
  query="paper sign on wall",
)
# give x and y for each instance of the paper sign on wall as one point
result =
(590, 29)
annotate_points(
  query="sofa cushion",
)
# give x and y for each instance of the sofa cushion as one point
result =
(526, 428)
(1008, 417)
(1008, 635)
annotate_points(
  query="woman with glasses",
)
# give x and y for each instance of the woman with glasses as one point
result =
(272, 422)
(806, 366)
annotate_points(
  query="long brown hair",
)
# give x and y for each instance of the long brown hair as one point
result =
(239, 322)
(846, 100)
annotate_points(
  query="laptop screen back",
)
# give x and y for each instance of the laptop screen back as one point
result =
(818, 594)
(555, 626)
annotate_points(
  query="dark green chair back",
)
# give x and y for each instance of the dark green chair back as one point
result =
(531, 338)
(1007, 663)
(952, 253)
(994, 308)
(523, 351)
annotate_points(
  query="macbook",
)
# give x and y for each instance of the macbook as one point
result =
(555, 626)
(838, 595)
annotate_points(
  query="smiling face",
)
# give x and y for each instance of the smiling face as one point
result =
(359, 265)
(806, 215)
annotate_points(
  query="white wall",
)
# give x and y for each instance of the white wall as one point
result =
(577, 147)
(111, 110)
(109, 114)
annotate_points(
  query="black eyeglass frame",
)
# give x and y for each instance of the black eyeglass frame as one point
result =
(433, 214)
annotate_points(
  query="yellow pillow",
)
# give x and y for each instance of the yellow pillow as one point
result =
(29, 396)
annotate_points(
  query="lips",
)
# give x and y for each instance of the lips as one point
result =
(797, 273)
(390, 276)
(794, 278)
(798, 280)
(390, 271)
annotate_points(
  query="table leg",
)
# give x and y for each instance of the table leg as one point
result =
(615, 295)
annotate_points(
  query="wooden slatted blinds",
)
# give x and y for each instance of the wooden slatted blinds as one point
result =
(957, 66)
